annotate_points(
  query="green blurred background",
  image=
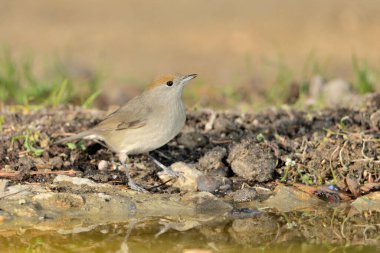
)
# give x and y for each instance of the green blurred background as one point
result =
(248, 54)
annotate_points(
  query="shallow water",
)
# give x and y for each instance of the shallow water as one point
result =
(97, 241)
(307, 231)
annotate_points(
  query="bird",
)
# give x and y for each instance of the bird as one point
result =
(145, 123)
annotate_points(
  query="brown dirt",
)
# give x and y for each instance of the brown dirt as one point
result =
(329, 146)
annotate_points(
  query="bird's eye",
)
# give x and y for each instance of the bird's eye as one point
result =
(169, 83)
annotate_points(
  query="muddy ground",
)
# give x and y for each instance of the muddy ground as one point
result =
(233, 167)
(338, 146)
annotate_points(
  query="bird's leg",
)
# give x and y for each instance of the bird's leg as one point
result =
(131, 183)
(166, 170)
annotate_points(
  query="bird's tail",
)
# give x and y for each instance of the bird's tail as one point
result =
(74, 137)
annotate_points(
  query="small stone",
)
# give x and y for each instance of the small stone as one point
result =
(103, 165)
(66, 164)
(63, 201)
(338, 86)
(104, 197)
(252, 161)
(56, 162)
(25, 164)
(187, 180)
(220, 172)
(244, 195)
(8, 168)
(212, 160)
(368, 202)
(192, 140)
(60, 179)
(211, 184)
(21, 201)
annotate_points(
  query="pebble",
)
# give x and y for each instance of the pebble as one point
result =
(244, 195)
(212, 160)
(338, 86)
(187, 181)
(211, 184)
(56, 162)
(103, 165)
(25, 163)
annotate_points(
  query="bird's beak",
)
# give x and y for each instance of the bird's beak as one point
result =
(187, 78)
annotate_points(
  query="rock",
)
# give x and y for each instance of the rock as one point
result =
(8, 168)
(74, 180)
(25, 164)
(192, 140)
(187, 180)
(103, 165)
(244, 195)
(3, 185)
(375, 120)
(56, 162)
(211, 183)
(54, 201)
(288, 199)
(19, 191)
(368, 202)
(78, 184)
(212, 160)
(252, 161)
(338, 86)
(104, 197)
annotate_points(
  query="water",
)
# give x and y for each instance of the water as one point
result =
(307, 231)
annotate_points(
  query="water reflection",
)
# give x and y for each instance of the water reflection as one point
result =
(308, 231)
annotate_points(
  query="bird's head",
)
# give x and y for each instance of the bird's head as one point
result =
(170, 85)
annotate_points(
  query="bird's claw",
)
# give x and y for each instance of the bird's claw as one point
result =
(168, 171)
(135, 187)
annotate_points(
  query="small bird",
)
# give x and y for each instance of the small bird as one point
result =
(144, 123)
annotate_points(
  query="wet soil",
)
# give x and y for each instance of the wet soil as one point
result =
(339, 147)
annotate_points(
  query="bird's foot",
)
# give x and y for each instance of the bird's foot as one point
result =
(132, 184)
(166, 170)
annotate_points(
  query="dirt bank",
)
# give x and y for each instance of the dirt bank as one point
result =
(287, 145)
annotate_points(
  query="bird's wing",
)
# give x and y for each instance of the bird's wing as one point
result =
(130, 116)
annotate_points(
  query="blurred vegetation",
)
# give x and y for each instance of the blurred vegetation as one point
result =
(63, 83)
(366, 77)
(20, 85)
